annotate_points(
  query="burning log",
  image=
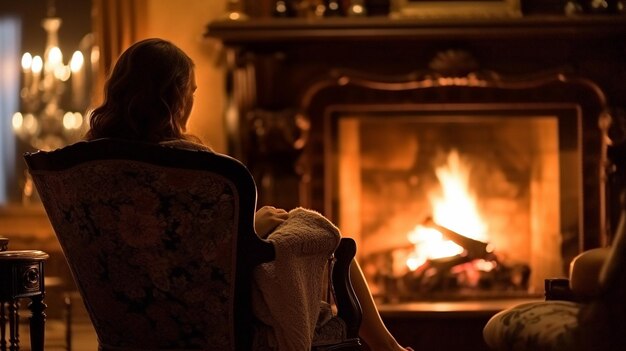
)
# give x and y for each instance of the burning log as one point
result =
(475, 249)
(441, 274)
(434, 275)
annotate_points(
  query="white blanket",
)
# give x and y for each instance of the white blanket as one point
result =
(287, 292)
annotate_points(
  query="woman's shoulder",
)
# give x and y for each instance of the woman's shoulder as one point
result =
(186, 144)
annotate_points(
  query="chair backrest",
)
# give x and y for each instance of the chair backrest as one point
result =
(160, 241)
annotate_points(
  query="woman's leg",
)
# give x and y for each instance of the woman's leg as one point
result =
(373, 330)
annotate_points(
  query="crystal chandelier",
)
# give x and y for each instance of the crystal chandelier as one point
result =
(54, 96)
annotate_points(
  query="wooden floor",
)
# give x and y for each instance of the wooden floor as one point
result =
(83, 336)
(423, 326)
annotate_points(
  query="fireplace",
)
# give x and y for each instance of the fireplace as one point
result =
(457, 188)
(491, 175)
(479, 132)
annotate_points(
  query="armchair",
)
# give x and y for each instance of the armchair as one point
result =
(161, 244)
(585, 312)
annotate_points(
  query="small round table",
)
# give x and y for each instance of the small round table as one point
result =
(22, 276)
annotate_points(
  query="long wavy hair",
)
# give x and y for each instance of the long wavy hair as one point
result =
(148, 95)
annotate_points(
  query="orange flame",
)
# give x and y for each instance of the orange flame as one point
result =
(455, 208)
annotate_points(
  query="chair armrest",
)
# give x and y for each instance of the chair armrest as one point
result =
(348, 306)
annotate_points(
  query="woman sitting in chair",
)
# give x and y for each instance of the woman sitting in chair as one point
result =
(148, 97)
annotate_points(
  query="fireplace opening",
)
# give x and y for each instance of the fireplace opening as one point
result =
(456, 202)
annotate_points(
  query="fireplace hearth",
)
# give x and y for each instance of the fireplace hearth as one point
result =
(366, 120)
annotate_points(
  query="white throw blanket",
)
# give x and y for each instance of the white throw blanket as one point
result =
(287, 292)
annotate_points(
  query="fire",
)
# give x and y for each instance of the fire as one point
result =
(454, 208)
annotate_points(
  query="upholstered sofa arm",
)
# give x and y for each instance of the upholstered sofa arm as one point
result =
(585, 272)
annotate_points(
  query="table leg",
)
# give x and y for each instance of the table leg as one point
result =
(14, 322)
(3, 327)
(37, 322)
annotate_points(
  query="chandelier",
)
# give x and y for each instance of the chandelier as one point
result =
(54, 96)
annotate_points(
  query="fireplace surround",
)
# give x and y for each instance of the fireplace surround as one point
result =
(298, 89)
(381, 139)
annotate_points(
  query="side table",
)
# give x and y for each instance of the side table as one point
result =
(22, 276)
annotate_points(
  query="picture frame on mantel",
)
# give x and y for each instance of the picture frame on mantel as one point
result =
(457, 8)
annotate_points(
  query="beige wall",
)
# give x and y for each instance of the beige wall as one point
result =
(183, 22)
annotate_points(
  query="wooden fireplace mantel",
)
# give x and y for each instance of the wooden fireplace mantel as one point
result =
(275, 68)
(267, 30)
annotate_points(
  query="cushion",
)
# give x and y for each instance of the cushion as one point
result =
(544, 325)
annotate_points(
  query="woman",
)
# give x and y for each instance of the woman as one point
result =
(148, 97)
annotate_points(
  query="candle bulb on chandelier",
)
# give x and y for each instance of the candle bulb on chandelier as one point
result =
(36, 68)
(27, 62)
(54, 58)
(78, 80)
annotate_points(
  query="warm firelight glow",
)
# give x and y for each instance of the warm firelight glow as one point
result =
(454, 208)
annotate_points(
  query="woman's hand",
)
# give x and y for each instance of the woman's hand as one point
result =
(267, 218)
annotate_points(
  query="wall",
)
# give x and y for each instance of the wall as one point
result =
(183, 23)
(28, 14)
(28, 227)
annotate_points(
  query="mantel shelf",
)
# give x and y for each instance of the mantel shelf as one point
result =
(377, 28)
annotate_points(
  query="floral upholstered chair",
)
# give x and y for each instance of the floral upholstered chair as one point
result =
(161, 243)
